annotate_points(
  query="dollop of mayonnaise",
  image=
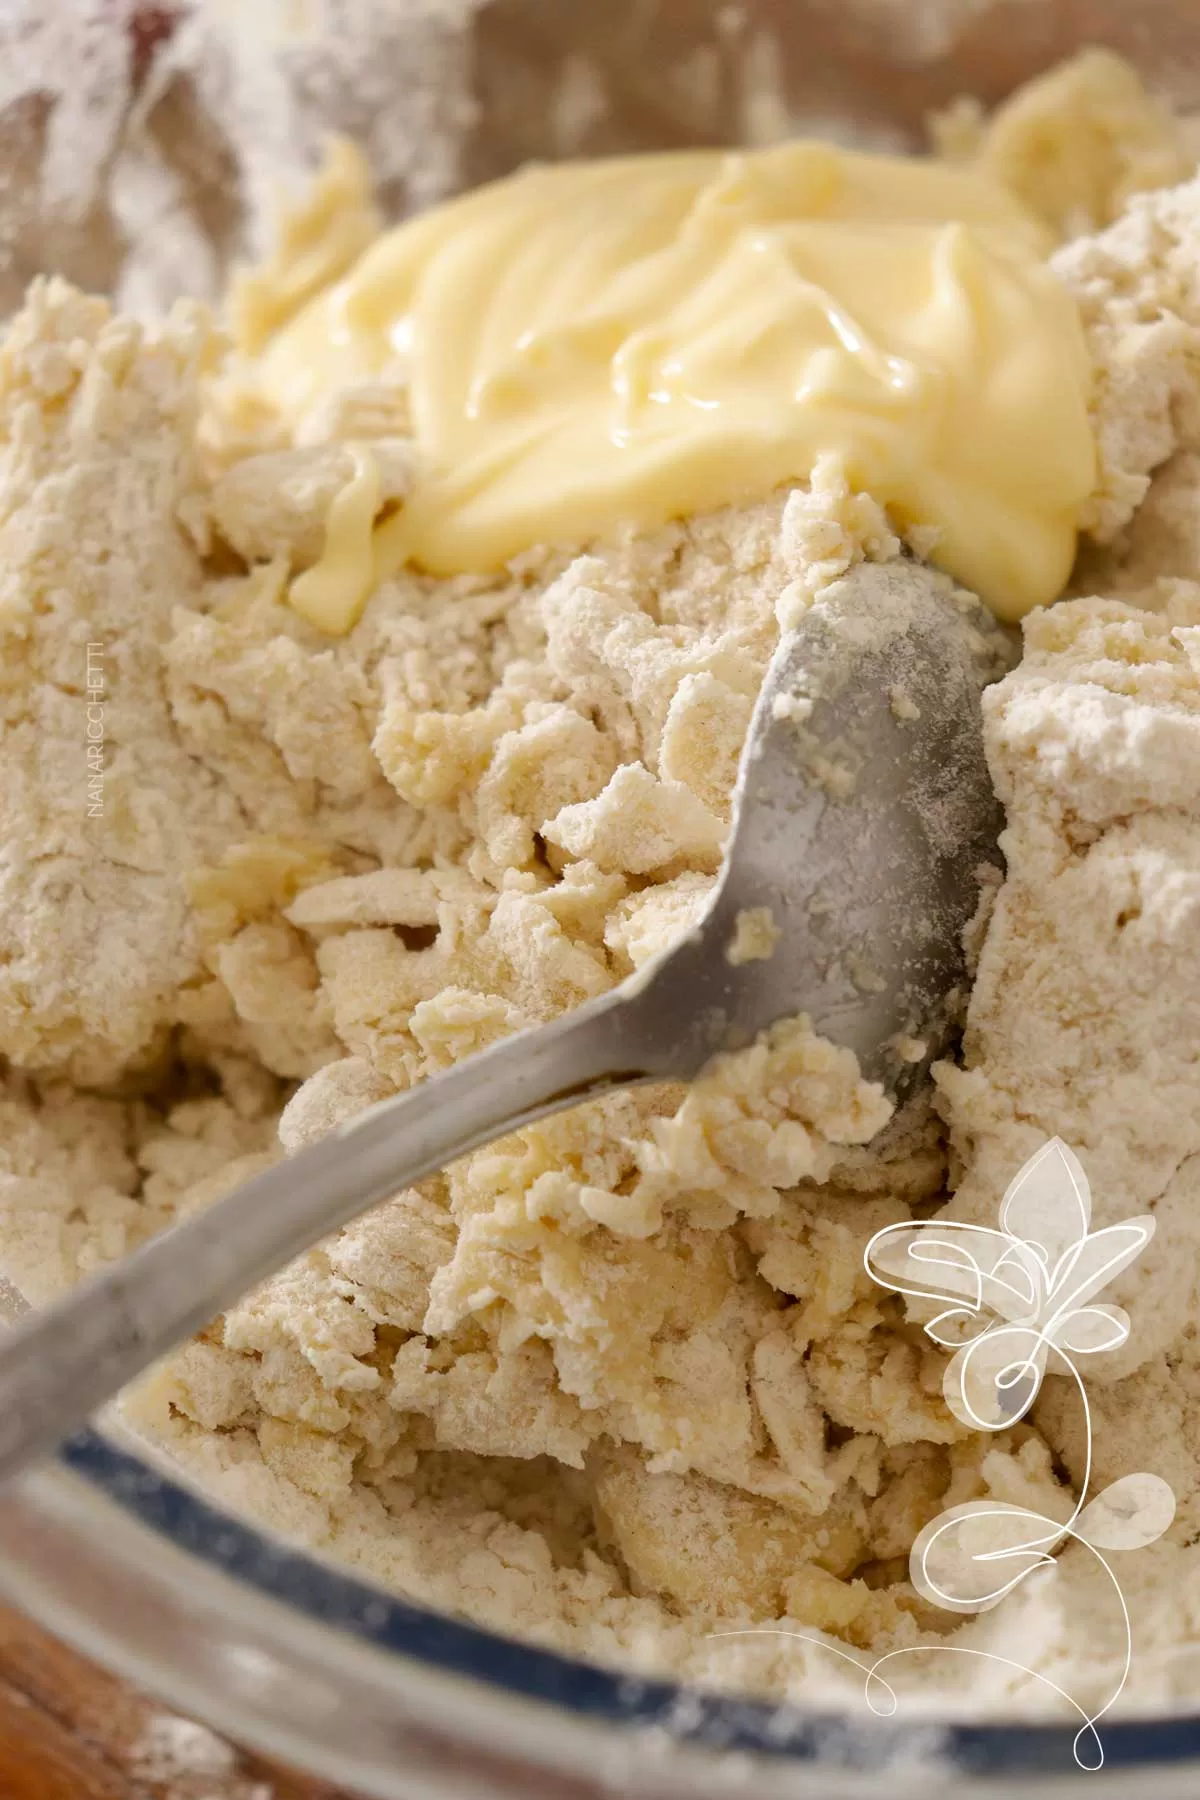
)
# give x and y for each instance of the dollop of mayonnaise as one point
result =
(595, 345)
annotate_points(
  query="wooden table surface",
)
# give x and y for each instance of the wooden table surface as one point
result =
(71, 1731)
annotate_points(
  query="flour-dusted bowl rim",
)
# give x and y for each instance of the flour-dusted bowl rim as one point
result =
(287, 1653)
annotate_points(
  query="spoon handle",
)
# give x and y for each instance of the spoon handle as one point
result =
(58, 1365)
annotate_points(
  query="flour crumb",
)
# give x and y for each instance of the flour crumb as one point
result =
(796, 707)
(755, 936)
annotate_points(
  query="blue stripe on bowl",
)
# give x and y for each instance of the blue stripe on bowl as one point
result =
(696, 1717)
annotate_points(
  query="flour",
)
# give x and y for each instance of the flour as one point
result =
(186, 1761)
(619, 1381)
(171, 1746)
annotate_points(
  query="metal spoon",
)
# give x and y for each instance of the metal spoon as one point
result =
(863, 812)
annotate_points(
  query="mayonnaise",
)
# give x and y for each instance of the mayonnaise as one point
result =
(593, 345)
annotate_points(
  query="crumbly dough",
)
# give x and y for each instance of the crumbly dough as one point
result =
(619, 1381)
(755, 935)
(1075, 143)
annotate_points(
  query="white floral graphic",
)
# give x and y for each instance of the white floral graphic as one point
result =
(1013, 1303)
(1020, 1292)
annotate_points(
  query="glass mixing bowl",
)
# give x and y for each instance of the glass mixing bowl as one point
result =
(271, 1645)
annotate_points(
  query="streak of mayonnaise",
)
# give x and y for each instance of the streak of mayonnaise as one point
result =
(334, 591)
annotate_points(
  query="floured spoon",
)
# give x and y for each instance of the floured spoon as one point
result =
(863, 813)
